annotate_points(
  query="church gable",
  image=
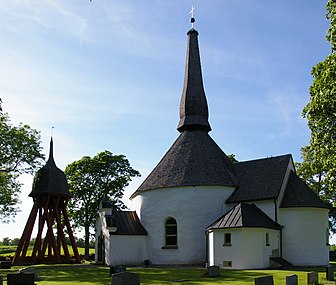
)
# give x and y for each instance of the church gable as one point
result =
(298, 194)
(260, 179)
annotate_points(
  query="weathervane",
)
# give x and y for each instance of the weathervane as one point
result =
(192, 20)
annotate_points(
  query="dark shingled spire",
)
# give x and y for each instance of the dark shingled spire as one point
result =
(193, 107)
(194, 158)
(50, 179)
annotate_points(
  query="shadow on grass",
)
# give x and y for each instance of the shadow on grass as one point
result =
(99, 275)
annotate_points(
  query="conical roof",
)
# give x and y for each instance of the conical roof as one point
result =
(194, 158)
(50, 179)
(193, 106)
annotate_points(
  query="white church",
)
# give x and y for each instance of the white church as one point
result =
(198, 207)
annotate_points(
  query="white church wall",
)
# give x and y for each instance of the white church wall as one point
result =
(193, 208)
(304, 236)
(127, 250)
(248, 249)
(268, 207)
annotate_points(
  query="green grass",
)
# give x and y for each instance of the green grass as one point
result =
(9, 251)
(99, 275)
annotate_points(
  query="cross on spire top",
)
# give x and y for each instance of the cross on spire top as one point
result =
(192, 20)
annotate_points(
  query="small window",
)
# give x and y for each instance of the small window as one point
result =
(327, 236)
(267, 239)
(227, 263)
(227, 239)
(171, 233)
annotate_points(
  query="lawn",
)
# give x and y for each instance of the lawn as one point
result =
(9, 250)
(99, 275)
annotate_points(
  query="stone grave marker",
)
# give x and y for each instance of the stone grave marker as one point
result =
(125, 278)
(292, 280)
(4, 264)
(330, 273)
(213, 271)
(20, 279)
(312, 278)
(266, 280)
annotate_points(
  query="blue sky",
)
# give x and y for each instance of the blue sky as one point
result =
(109, 74)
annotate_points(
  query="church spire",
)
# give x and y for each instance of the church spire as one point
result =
(193, 106)
(51, 160)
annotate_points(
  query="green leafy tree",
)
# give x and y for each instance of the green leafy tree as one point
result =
(232, 157)
(20, 152)
(318, 167)
(6, 241)
(93, 179)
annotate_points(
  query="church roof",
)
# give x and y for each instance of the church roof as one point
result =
(50, 179)
(298, 194)
(193, 104)
(127, 223)
(244, 215)
(193, 159)
(259, 179)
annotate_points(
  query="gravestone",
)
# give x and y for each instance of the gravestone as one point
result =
(20, 279)
(125, 278)
(4, 264)
(29, 270)
(117, 269)
(213, 271)
(312, 278)
(330, 273)
(292, 280)
(266, 280)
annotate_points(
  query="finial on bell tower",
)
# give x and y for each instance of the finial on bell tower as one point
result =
(192, 19)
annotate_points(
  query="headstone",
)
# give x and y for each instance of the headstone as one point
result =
(5, 264)
(117, 269)
(266, 280)
(20, 279)
(292, 280)
(330, 273)
(125, 278)
(213, 271)
(29, 271)
(312, 278)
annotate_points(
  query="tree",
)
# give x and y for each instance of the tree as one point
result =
(91, 180)
(6, 241)
(232, 157)
(20, 152)
(318, 167)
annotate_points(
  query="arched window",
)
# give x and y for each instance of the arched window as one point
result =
(171, 233)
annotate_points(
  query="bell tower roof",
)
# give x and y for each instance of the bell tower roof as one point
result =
(50, 179)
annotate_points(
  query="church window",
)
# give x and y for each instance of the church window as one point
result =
(227, 239)
(267, 239)
(171, 233)
(327, 236)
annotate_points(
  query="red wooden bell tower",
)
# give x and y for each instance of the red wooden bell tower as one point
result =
(50, 193)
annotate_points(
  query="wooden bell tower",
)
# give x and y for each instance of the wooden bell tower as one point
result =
(50, 193)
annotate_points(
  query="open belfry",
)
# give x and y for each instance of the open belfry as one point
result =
(50, 193)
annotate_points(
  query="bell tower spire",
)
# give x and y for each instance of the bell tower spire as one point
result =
(193, 105)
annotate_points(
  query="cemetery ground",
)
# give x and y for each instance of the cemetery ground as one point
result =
(89, 274)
